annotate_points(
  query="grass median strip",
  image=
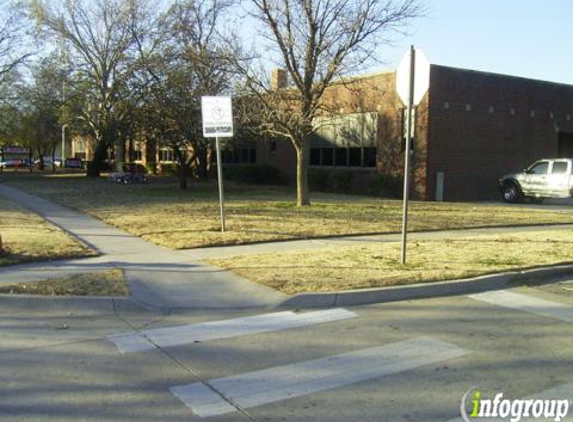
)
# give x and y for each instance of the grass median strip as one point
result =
(27, 237)
(378, 265)
(101, 283)
(161, 213)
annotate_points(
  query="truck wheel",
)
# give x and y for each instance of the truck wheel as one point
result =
(511, 193)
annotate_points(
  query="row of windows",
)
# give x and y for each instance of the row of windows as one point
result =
(339, 157)
(343, 157)
(239, 156)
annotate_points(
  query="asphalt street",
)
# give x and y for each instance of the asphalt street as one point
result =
(401, 361)
(215, 347)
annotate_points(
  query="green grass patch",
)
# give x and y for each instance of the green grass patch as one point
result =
(163, 214)
(377, 265)
(101, 283)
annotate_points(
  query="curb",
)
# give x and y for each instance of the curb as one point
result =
(111, 305)
(70, 304)
(422, 290)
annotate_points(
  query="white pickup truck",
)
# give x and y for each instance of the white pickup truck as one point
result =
(547, 178)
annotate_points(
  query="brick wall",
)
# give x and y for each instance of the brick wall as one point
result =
(366, 94)
(484, 125)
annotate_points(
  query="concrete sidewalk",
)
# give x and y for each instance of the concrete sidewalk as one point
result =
(158, 277)
(355, 240)
(166, 279)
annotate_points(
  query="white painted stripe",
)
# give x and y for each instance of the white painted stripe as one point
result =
(526, 303)
(299, 379)
(564, 391)
(215, 330)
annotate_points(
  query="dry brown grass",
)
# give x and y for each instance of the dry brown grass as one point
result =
(101, 283)
(378, 265)
(162, 214)
(27, 237)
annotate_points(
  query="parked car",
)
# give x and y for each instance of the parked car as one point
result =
(131, 173)
(74, 163)
(547, 178)
(14, 163)
(48, 161)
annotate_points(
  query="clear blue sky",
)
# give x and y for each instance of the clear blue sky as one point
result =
(529, 38)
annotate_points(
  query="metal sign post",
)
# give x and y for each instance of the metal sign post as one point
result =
(407, 154)
(220, 182)
(412, 82)
(217, 116)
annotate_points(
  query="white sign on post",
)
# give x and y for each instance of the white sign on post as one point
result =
(217, 117)
(217, 113)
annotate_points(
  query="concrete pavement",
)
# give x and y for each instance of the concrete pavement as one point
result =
(158, 277)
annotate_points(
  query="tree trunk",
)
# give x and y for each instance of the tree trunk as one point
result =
(182, 178)
(96, 165)
(302, 163)
(130, 150)
(202, 167)
(53, 153)
(41, 164)
(183, 168)
(119, 153)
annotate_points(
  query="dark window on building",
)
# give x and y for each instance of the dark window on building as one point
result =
(369, 157)
(236, 156)
(347, 140)
(341, 156)
(166, 155)
(244, 155)
(226, 156)
(355, 157)
(315, 156)
(327, 156)
(272, 147)
(239, 156)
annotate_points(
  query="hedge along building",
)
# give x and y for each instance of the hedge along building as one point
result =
(470, 128)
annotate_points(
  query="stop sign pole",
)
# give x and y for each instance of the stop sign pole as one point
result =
(412, 82)
(407, 154)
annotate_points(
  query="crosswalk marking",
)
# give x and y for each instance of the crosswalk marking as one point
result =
(214, 330)
(564, 391)
(271, 385)
(526, 303)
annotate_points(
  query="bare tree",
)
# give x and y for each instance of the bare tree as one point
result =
(13, 48)
(41, 108)
(101, 38)
(316, 42)
(187, 60)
